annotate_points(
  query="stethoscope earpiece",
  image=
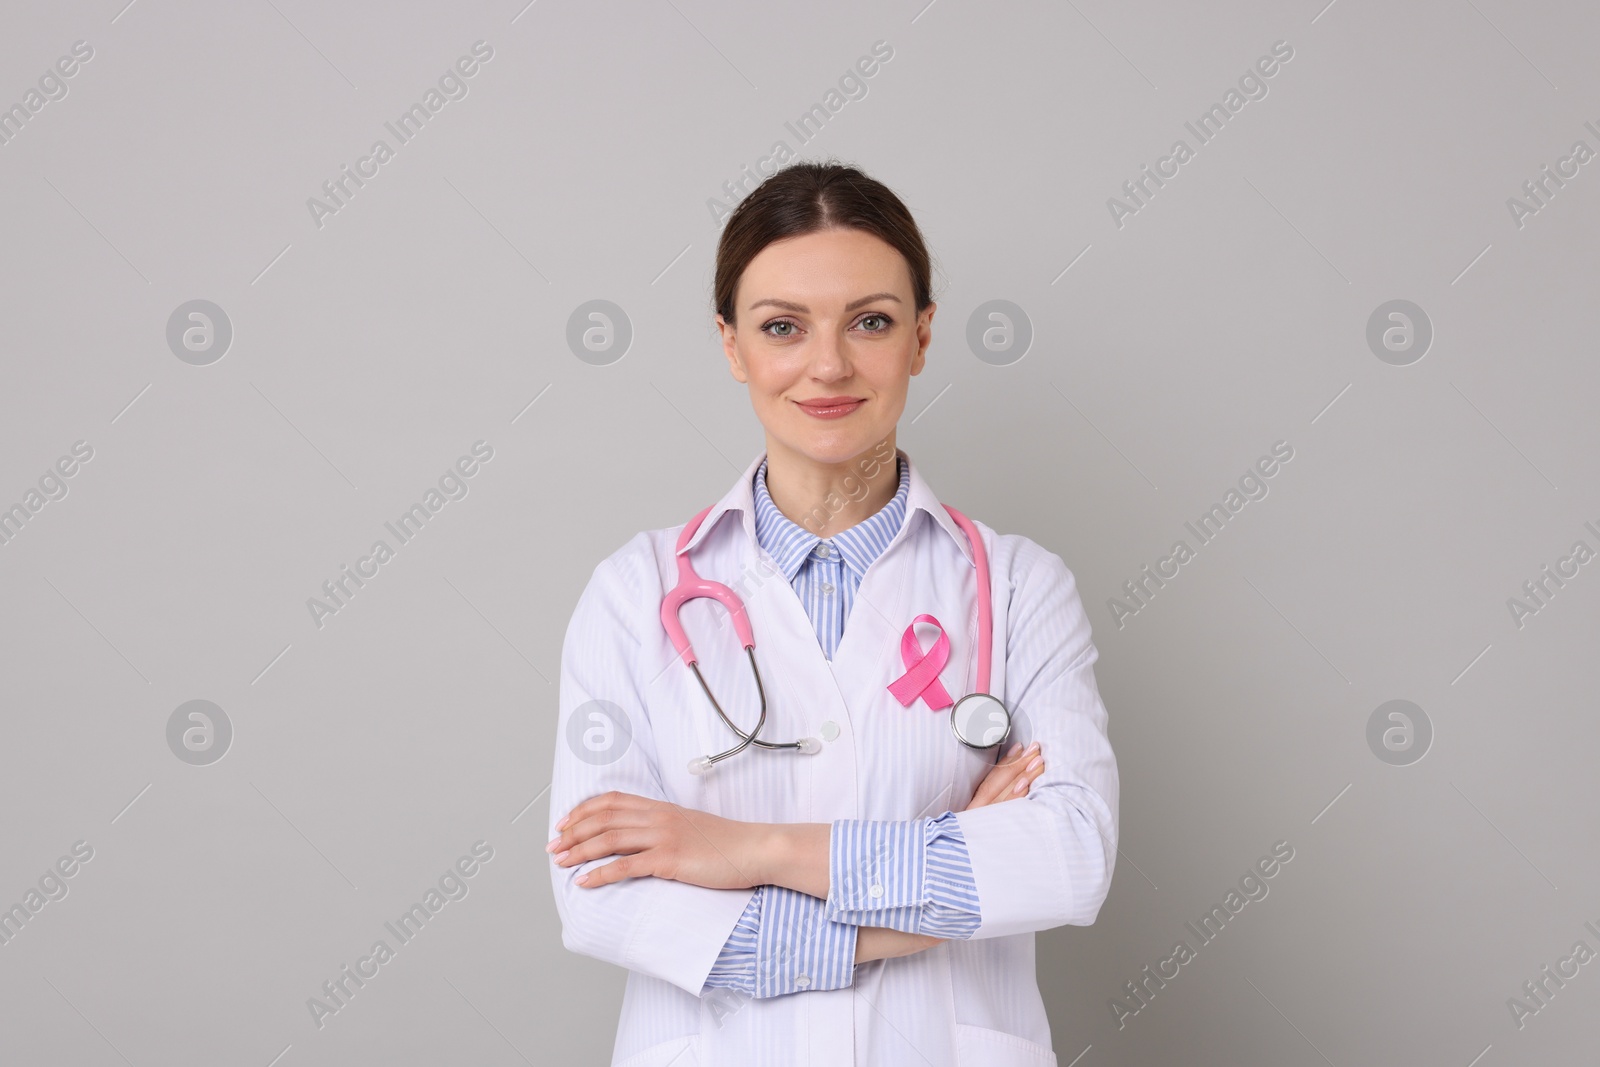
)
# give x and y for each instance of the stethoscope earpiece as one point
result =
(703, 764)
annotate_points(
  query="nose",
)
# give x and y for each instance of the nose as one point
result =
(829, 359)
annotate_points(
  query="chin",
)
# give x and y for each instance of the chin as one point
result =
(836, 448)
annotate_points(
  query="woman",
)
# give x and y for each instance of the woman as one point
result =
(873, 901)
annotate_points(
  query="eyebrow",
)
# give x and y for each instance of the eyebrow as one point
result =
(802, 309)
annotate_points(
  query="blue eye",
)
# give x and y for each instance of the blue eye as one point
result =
(768, 327)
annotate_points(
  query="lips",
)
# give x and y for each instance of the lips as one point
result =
(829, 407)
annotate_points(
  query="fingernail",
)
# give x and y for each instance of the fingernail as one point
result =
(550, 845)
(1022, 783)
(562, 854)
(1038, 761)
(562, 825)
(1034, 747)
(581, 879)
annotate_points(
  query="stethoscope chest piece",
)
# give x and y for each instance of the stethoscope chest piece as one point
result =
(980, 720)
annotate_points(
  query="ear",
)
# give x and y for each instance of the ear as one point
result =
(924, 337)
(730, 348)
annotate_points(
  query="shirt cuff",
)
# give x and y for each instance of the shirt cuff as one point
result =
(785, 943)
(799, 947)
(735, 967)
(914, 876)
(952, 910)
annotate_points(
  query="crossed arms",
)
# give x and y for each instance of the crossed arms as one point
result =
(689, 894)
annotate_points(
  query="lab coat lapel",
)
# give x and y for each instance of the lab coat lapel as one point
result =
(885, 596)
(868, 659)
(871, 636)
(802, 691)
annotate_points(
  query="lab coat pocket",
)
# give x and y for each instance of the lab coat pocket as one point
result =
(679, 1052)
(995, 1048)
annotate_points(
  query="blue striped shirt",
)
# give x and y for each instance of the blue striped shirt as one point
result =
(912, 876)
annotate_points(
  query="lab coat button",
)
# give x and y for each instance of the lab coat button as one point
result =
(830, 730)
(876, 890)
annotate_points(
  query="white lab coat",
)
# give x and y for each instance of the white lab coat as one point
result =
(1039, 862)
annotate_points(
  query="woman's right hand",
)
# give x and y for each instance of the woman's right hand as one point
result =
(882, 943)
(1010, 778)
(1007, 780)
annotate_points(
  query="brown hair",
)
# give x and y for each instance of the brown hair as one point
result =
(805, 198)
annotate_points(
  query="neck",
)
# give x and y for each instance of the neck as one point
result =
(826, 498)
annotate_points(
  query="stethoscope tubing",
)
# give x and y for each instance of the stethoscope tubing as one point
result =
(692, 586)
(745, 739)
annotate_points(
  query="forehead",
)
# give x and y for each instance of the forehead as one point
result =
(829, 266)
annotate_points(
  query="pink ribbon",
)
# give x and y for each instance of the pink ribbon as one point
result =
(922, 674)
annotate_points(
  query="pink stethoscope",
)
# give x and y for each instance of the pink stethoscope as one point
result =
(979, 720)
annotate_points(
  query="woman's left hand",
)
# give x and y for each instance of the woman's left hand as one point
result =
(655, 838)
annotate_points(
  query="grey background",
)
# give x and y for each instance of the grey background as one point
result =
(431, 312)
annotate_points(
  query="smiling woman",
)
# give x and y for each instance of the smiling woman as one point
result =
(818, 317)
(867, 893)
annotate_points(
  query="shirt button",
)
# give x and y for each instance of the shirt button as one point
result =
(876, 890)
(827, 588)
(824, 549)
(802, 981)
(830, 730)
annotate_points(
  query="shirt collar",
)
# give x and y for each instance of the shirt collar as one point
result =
(919, 497)
(789, 543)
